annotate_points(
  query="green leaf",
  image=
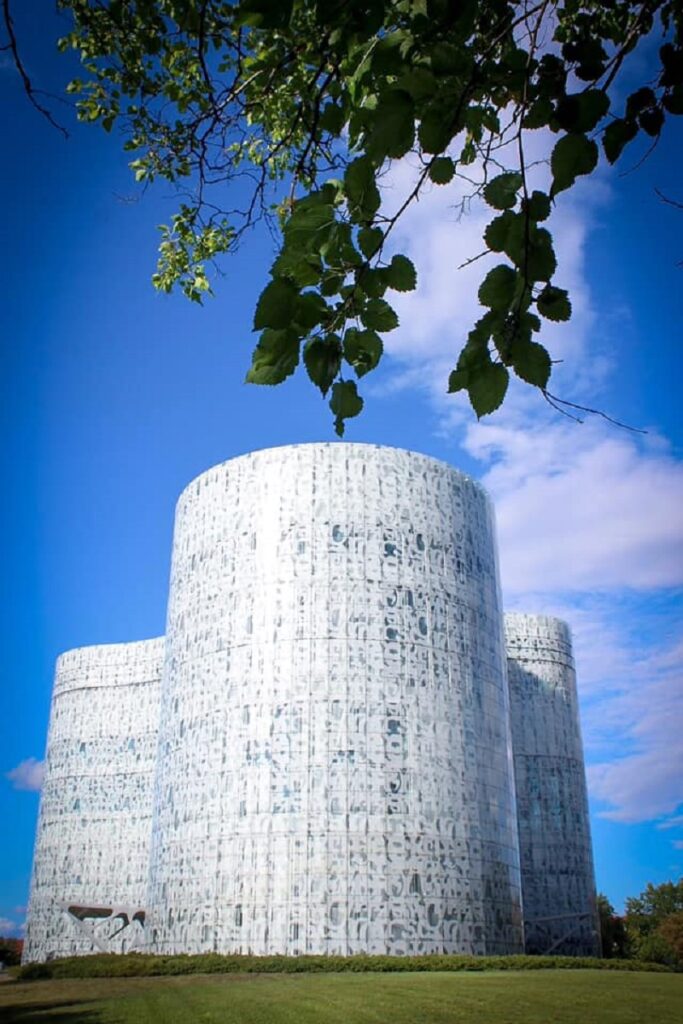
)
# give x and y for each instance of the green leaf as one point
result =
(441, 170)
(379, 316)
(308, 218)
(361, 189)
(498, 287)
(332, 119)
(539, 113)
(583, 111)
(616, 136)
(362, 349)
(435, 131)
(513, 329)
(446, 59)
(476, 348)
(322, 358)
(673, 101)
(344, 403)
(553, 303)
(508, 226)
(458, 380)
(369, 240)
(275, 357)
(275, 305)
(468, 153)
(486, 387)
(552, 73)
(330, 284)
(310, 310)
(572, 156)
(672, 64)
(401, 275)
(652, 121)
(475, 354)
(501, 193)
(530, 248)
(639, 100)
(304, 268)
(372, 281)
(539, 259)
(263, 14)
(338, 250)
(420, 83)
(393, 129)
(531, 362)
(537, 206)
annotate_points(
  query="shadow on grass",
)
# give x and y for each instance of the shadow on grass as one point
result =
(63, 1012)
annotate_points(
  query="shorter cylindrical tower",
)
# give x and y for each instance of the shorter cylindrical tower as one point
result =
(558, 882)
(93, 836)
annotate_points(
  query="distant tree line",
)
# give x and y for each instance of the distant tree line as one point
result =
(651, 927)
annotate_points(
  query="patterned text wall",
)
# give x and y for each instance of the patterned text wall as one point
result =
(94, 827)
(335, 768)
(558, 883)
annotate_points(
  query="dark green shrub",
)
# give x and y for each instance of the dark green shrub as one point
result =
(141, 965)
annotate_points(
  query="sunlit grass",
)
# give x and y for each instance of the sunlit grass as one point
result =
(543, 997)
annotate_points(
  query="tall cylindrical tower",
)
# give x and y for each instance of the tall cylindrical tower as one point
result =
(94, 826)
(558, 882)
(334, 759)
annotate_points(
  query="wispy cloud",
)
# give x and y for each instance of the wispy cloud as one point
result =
(28, 775)
(675, 822)
(643, 778)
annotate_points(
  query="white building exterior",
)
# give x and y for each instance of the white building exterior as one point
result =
(95, 821)
(558, 882)
(330, 742)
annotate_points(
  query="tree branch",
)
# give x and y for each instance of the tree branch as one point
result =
(26, 81)
(557, 402)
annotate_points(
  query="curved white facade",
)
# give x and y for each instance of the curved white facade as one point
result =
(94, 827)
(334, 764)
(318, 756)
(558, 882)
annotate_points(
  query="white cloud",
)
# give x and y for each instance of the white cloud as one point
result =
(581, 507)
(640, 787)
(28, 775)
(8, 929)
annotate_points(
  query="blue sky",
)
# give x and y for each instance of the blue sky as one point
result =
(114, 397)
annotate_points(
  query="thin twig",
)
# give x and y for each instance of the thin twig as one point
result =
(670, 202)
(587, 409)
(26, 81)
(473, 259)
(557, 408)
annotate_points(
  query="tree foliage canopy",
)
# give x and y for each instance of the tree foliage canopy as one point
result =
(292, 110)
(654, 922)
(613, 934)
(646, 912)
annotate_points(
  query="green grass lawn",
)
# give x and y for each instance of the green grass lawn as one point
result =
(529, 997)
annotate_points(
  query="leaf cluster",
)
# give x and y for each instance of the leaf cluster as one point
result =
(294, 110)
